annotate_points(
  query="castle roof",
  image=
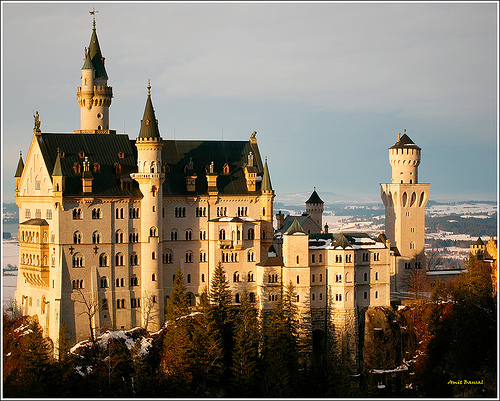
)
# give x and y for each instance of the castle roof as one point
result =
(314, 198)
(266, 180)
(20, 167)
(295, 228)
(111, 150)
(479, 242)
(149, 123)
(272, 261)
(34, 222)
(404, 142)
(87, 64)
(96, 56)
(352, 240)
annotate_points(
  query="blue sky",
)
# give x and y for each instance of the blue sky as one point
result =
(327, 86)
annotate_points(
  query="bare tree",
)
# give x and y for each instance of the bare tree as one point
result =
(416, 277)
(90, 309)
(149, 310)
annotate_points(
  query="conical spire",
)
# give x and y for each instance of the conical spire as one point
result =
(57, 167)
(149, 124)
(266, 179)
(314, 198)
(20, 166)
(87, 64)
(96, 56)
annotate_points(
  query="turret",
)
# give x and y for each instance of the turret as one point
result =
(94, 96)
(150, 179)
(314, 208)
(19, 172)
(404, 157)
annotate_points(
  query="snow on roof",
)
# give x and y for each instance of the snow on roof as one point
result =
(400, 368)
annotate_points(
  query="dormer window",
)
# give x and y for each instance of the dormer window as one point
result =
(61, 155)
(77, 168)
(146, 122)
(81, 155)
(166, 168)
(121, 155)
(118, 168)
(97, 168)
(225, 169)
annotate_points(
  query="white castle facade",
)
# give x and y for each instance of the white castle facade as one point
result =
(106, 221)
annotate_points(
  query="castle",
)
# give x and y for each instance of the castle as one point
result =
(106, 221)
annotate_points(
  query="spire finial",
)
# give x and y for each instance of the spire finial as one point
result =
(266, 159)
(93, 16)
(149, 87)
(20, 153)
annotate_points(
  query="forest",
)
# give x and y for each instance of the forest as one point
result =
(218, 350)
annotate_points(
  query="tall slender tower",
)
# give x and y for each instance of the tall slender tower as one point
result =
(150, 179)
(94, 96)
(404, 200)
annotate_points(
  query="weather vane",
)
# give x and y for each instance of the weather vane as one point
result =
(93, 14)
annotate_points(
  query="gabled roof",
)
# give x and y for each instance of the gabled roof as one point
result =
(175, 155)
(295, 228)
(57, 172)
(479, 241)
(404, 142)
(149, 124)
(106, 150)
(109, 151)
(96, 56)
(272, 261)
(314, 198)
(20, 167)
(35, 222)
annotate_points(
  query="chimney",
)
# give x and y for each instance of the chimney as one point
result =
(399, 136)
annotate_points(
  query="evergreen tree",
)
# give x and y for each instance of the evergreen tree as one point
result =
(178, 303)
(281, 359)
(220, 314)
(246, 361)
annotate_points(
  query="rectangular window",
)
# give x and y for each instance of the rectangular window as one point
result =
(48, 214)
(38, 213)
(27, 214)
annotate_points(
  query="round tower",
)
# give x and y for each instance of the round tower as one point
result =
(404, 158)
(150, 179)
(314, 208)
(94, 96)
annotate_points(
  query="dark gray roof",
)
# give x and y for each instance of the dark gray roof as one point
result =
(103, 149)
(287, 222)
(96, 56)
(20, 167)
(109, 150)
(314, 198)
(404, 142)
(295, 228)
(149, 124)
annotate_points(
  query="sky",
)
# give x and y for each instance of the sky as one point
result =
(326, 85)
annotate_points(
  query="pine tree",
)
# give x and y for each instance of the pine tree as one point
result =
(220, 314)
(246, 361)
(178, 303)
(281, 359)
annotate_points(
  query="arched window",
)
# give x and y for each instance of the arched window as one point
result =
(153, 232)
(189, 257)
(376, 275)
(222, 234)
(236, 277)
(119, 259)
(313, 296)
(134, 281)
(173, 235)
(189, 235)
(250, 256)
(78, 260)
(237, 298)
(376, 294)
(103, 260)
(203, 256)
(298, 258)
(313, 278)
(153, 255)
(251, 233)
(250, 277)
(134, 259)
(96, 213)
(365, 276)
(168, 257)
(365, 295)
(153, 277)
(77, 237)
(96, 237)
(313, 258)
(119, 237)
(298, 279)
(104, 282)
(251, 297)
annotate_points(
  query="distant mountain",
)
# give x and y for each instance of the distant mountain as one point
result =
(299, 198)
